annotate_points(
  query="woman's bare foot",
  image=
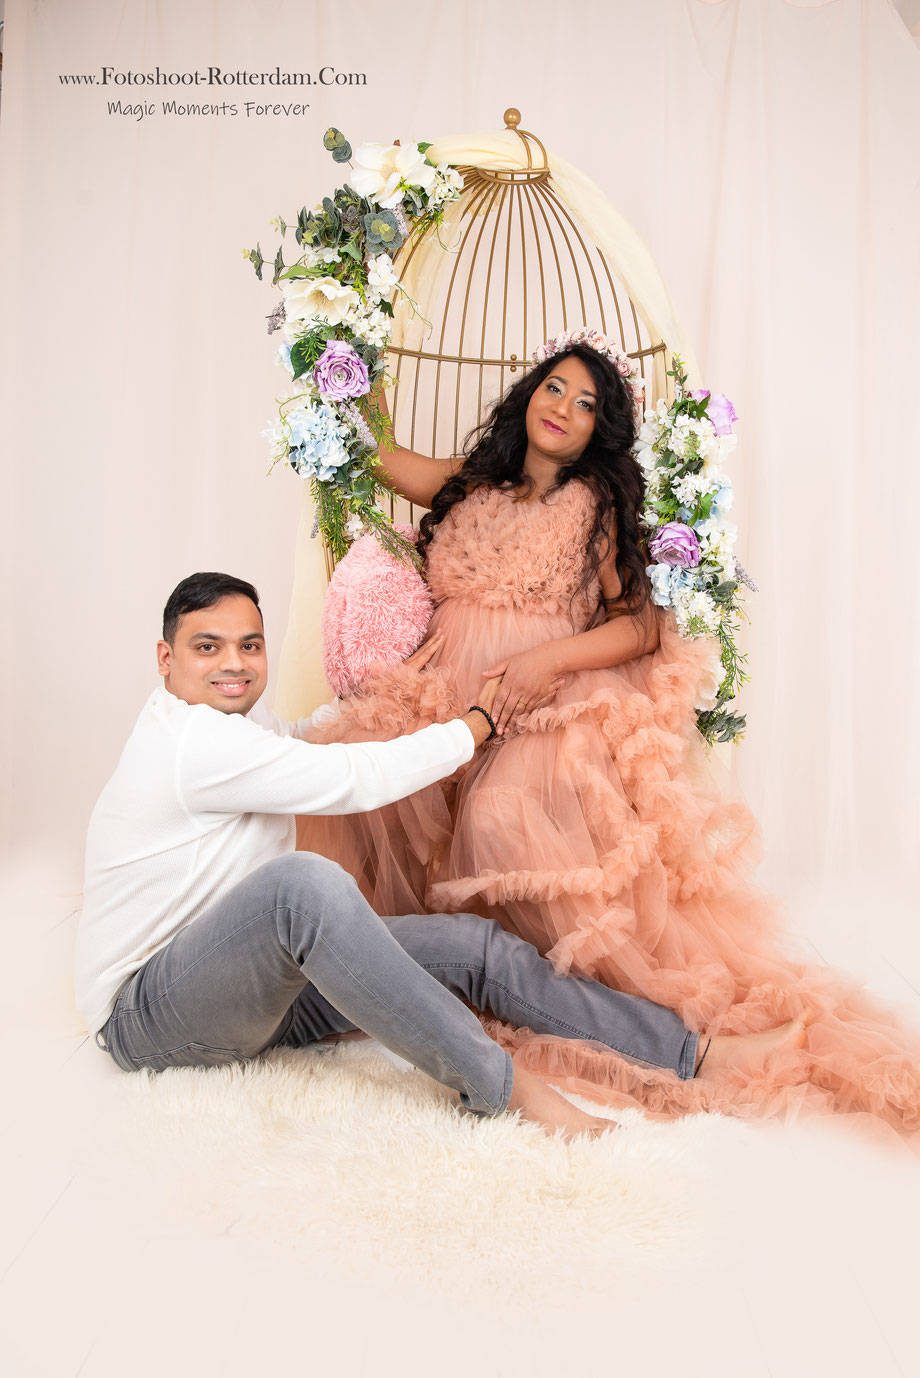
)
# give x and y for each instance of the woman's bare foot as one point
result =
(544, 1106)
(737, 1052)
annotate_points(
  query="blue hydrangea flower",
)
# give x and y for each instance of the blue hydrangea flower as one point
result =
(316, 442)
(666, 581)
(722, 501)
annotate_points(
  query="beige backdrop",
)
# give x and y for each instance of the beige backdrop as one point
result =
(766, 152)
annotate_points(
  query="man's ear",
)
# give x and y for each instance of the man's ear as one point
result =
(164, 657)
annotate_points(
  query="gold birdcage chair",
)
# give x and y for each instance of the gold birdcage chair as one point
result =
(513, 263)
(510, 267)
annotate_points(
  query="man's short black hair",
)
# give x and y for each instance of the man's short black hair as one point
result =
(202, 591)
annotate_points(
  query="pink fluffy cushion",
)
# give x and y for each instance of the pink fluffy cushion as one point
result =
(376, 612)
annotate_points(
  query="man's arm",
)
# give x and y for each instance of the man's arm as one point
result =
(229, 765)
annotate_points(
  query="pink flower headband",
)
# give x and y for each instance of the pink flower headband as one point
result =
(624, 365)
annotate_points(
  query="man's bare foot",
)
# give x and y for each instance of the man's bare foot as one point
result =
(737, 1052)
(544, 1106)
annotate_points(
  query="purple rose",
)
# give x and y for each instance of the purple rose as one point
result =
(720, 411)
(675, 544)
(340, 372)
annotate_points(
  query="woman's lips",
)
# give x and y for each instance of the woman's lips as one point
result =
(554, 430)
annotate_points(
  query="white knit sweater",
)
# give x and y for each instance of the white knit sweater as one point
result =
(199, 799)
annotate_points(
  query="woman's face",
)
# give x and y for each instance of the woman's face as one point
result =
(561, 413)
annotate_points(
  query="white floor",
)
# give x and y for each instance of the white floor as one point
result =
(805, 1263)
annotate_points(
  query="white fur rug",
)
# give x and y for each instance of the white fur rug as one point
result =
(334, 1209)
(349, 1154)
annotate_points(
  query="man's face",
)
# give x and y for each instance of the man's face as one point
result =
(218, 657)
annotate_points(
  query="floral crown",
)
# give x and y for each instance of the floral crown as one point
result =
(612, 349)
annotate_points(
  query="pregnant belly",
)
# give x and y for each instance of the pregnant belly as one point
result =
(476, 638)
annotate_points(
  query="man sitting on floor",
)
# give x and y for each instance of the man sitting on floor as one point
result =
(206, 939)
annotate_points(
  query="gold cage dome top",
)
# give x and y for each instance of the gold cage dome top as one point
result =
(509, 267)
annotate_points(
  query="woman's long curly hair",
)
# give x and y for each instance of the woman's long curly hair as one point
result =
(495, 453)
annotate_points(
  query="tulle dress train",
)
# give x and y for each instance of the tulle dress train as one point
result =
(598, 833)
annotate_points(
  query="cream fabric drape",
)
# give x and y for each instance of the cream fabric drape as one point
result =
(766, 153)
(300, 682)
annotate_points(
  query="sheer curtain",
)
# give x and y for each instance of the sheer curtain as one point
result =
(766, 153)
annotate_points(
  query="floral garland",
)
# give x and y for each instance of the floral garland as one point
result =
(336, 320)
(680, 449)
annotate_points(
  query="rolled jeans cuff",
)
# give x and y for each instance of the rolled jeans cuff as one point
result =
(505, 1099)
(686, 1067)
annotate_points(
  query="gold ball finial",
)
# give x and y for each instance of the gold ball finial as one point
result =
(512, 118)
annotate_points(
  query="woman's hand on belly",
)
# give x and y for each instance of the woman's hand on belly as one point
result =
(528, 680)
(427, 651)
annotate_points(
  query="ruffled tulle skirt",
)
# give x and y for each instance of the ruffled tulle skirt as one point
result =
(598, 832)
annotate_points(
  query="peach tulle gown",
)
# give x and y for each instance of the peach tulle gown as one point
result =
(597, 833)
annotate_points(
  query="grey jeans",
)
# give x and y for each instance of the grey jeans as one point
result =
(294, 953)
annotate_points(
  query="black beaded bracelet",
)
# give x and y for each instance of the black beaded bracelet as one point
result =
(474, 708)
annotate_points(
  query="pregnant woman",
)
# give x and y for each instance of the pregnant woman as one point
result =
(593, 826)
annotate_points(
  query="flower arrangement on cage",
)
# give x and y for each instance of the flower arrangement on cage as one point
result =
(335, 319)
(681, 449)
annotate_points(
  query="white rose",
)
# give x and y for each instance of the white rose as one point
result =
(710, 531)
(716, 537)
(323, 299)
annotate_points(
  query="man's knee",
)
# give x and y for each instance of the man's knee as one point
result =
(309, 896)
(304, 874)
